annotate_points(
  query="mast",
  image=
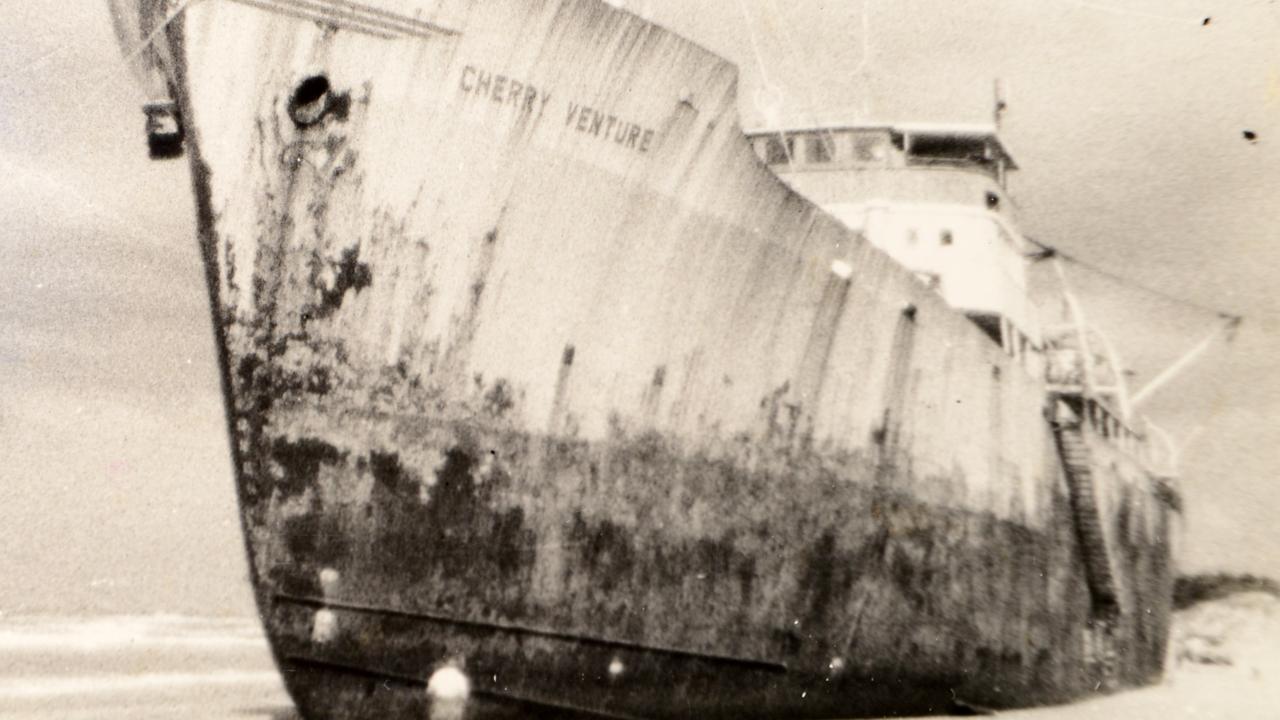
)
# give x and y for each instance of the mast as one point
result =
(998, 108)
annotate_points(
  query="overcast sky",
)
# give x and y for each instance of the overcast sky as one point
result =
(1127, 117)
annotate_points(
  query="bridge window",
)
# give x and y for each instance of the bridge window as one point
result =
(775, 153)
(870, 148)
(818, 148)
(948, 148)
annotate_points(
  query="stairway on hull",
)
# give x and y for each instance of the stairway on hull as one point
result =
(1098, 550)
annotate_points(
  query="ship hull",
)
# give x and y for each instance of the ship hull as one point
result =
(855, 602)
(533, 370)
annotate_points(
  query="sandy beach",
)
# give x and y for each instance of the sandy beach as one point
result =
(1225, 665)
(137, 666)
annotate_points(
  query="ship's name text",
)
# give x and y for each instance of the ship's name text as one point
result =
(593, 122)
(527, 98)
(503, 90)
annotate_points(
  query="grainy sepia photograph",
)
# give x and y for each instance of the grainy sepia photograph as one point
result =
(737, 359)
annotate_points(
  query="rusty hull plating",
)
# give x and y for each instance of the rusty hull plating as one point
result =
(532, 368)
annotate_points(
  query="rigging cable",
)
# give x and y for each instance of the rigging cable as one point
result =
(764, 79)
(36, 63)
(40, 61)
(150, 38)
(92, 90)
(1049, 251)
(1115, 10)
(865, 62)
(793, 54)
(93, 94)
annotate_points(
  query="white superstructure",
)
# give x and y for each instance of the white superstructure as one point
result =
(932, 197)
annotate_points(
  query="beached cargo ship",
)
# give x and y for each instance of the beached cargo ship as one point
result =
(545, 390)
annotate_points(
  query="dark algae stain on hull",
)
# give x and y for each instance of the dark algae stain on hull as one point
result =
(890, 608)
(619, 426)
